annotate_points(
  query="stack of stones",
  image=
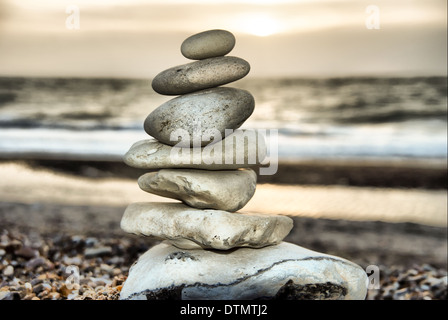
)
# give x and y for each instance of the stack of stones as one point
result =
(210, 251)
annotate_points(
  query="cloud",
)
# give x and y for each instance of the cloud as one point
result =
(138, 38)
(177, 16)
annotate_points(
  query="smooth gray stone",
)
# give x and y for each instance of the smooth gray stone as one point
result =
(208, 44)
(188, 228)
(199, 75)
(204, 115)
(283, 271)
(231, 153)
(228, 190)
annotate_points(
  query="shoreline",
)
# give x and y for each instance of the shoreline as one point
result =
(25, 182)
(384, 173)
(393, 191)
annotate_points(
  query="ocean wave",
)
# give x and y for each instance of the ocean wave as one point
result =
(7, 97)
(391, 116)
(24, 123)
(320, 117)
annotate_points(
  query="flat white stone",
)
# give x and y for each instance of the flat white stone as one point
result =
(227, 190)
(242, 149)
(203, 115)
(208, 44)
(199, 75)
(165, 272)
(187, 227)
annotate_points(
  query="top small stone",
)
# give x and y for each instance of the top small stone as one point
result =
(208, 44)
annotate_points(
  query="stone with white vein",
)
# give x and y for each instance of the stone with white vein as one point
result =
(187, 227)
(227, 190)
(283, 271)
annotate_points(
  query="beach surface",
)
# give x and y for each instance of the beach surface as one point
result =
(402, 230)
(23, 184)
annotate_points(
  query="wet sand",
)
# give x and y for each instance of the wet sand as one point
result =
(366, 224)
(23, 184)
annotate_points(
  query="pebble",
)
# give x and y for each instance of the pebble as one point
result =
(28, 287)
(4, 294)
(8, 271)
(39, 261)
(97, 251)
(189, 228)
(201, 116)
(208, 44)
(199, 75)
(41, 287)
(12, 296)
(156, 275)
(392, 277)
(228, 190)
(76, 260)
(36, 281)
(26, 252)
(230, 153)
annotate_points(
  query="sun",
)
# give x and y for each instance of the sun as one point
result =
(260, 25)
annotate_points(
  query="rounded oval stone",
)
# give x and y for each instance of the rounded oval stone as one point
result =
(208, 44)
(201, 117)
(227, 190)
(199, 75)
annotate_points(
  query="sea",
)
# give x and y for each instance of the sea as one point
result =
(357, 118)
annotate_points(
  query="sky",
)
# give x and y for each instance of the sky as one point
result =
(304, 38)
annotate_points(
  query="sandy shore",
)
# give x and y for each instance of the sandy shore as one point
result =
(22, 184)
(368, 224)
(403, 231)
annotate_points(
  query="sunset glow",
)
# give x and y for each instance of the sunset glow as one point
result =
(36, 37)
(260, 25)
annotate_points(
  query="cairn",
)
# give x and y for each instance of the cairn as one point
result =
(209, 250)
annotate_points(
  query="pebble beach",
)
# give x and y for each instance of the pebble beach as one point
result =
(37, 270)
(44, 231)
